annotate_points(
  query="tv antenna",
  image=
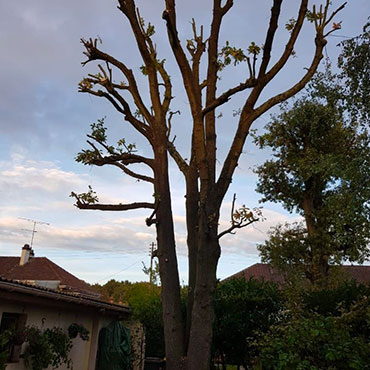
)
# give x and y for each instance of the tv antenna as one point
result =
(33, 231)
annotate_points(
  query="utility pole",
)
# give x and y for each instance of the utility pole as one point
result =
(152, 245)
(33, 231)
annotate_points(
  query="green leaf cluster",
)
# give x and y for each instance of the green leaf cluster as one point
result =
(46, 348)
(89, 197)
(230, 54)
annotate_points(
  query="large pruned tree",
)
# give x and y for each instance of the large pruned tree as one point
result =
(188, 345)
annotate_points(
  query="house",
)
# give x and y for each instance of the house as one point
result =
(40, 271)
(37, 292)
(266, 272)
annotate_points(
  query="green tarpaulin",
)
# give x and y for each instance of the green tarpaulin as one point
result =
(114, 348)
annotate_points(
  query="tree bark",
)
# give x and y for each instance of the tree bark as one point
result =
(199, 350)
(168, 267)
(192, 208)
(311, 203)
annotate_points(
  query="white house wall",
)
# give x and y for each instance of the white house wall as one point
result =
(43, 317)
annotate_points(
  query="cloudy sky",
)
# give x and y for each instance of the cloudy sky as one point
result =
(44, 120)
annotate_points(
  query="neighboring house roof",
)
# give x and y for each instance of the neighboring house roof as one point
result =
(41, 268)
(266, 272)
(49, 295)
(260, 271)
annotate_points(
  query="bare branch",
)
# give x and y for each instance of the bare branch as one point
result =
(181, 163)
(335, 13)
(168, 87)
(146, 49)
(320, 43)
(151, 220)
(91, 202)
(225, 97)
(275, 13)
(133, 174)
(114, 207)
(227, 6)
(192, 89)
(169, 122)
(291, 42)
(112, 96)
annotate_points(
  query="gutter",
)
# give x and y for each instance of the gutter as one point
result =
(59, 296)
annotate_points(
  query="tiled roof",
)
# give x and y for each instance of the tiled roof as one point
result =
(41, 268)
(69, 298)
(260, 271)
(266, 272)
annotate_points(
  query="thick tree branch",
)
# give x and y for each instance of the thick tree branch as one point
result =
(275, 13)
(90, 201)
(146, 49)
(120, 160)
(168, 87)
(192, 88)
(225, 97)
(114, 207)
(290, 45)
(124, 158)
(176, 156)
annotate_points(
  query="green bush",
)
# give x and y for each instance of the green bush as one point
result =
(310, 340)
(243, 310)
(45, 348)
(5, 341)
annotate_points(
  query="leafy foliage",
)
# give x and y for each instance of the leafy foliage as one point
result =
(320, 170)
(230, 54)
(332, 301)
(145, 301)
(48, 347)
(89, 197)
(243, 310)
(153, 272)
(75, 330)
(355, 64)
(5, 341)
(313, 341)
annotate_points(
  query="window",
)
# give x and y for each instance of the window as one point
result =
(15, 324)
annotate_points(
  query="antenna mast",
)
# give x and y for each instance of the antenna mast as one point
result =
(34, 226)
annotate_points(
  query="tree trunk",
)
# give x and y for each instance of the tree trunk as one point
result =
(319, 262)
(192, 204)
(199, 350)
(170, 292)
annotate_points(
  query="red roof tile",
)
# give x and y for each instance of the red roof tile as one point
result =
(41, 268)
(266, 272)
